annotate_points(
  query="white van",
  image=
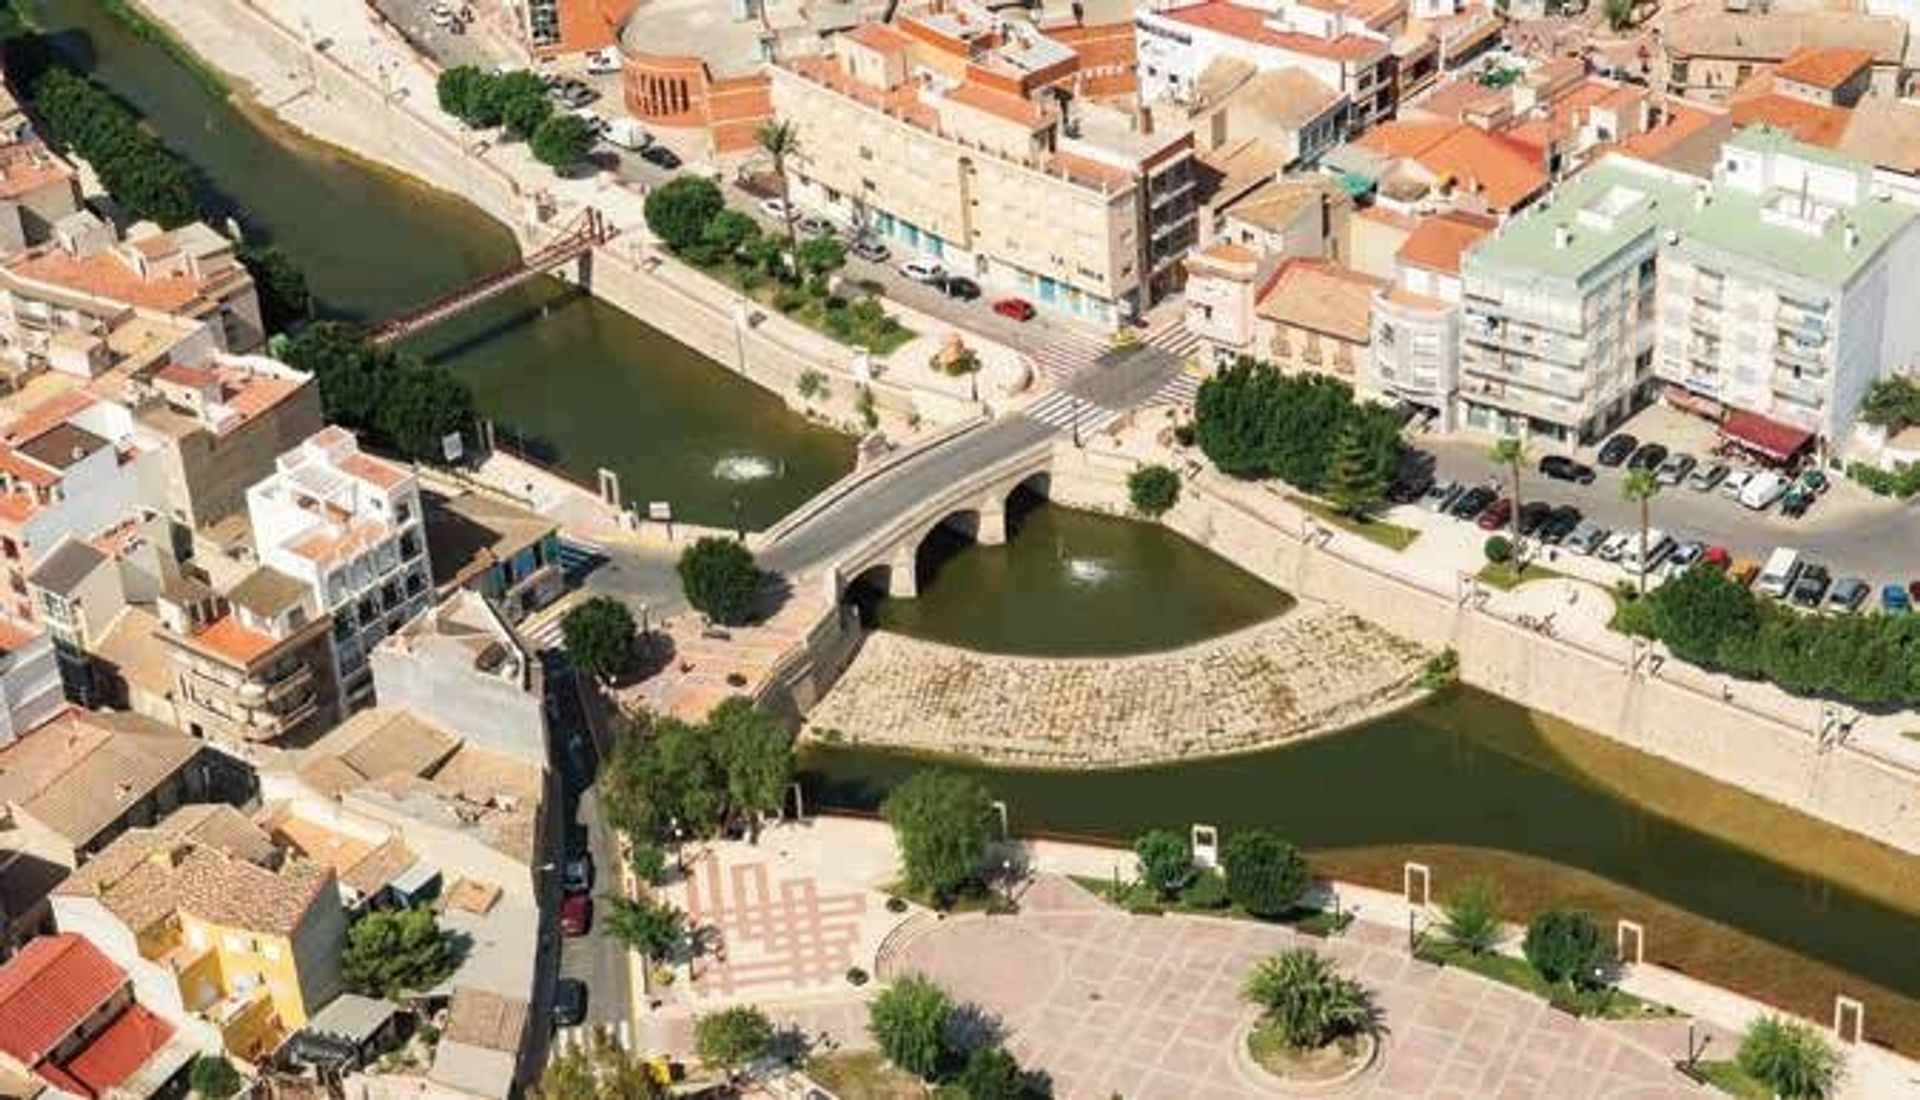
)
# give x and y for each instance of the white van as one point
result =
(628, 134)
(1778, 574)
(1659, 545)
(1765, 488)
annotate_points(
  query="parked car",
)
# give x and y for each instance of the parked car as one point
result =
(1440, 496)
(1409, 488)
(576, 915)
(1743, 571)
(1683, 556)
(1847, 595)
(1704, 478)
(1778, 575)
(1657, 545)
(958, 286)
(775, 207)
(1762, 490)
(1795, 501)
(628, 134)
(1585, 538)
(602, 62)
(569, 1002)
(660, 156)
(1496, 515)
(1812, 585)
(1894, 600)
(1648, 457)
(1616, 545)
(1563, 521)
(1017, 308)
(1616, 450)
(1735, 483)
(577, 876)
(1471, 503)
(869, 249)
(922, 270)
(814, 226)
(1675, 469)
(1562, 468)
(1533, 515)
(1717, 556)
(1815, 481)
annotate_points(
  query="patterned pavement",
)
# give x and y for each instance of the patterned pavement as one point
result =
(770, 932)
(1149, 1008)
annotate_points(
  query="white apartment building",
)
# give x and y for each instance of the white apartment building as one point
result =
(1788, 287)
(349, 526)
(1415, 350)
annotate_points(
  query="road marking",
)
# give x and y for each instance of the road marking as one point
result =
(1066, 412)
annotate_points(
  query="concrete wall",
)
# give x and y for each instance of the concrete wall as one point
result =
(438, 679)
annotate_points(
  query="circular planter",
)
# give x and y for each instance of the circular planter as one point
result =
(1332, 1083)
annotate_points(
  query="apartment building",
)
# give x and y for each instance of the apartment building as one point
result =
(1314, 318)
(349, 526)
(1415, 350)
(485, 544)
(216, 925)
(1786, 287)
(69, 1022)
(253, 665)
(1558, 323)
(957, 134)
(460, 665)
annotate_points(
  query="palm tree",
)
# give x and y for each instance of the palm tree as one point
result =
(780, 140)
(1511, 452)
(1641, 486)
(1307, 1000)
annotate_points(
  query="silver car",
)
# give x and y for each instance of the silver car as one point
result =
(1586, 538)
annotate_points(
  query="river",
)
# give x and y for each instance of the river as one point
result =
(588, 383)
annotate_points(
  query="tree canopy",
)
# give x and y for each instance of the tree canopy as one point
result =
(1253, 421)
(720, 579)
(562, 141)
(737, 763)
(649, 926)
(145, 178)
(908, 1021)
(285, 298)
(678, 210)
(393, 400)
(1565, 945)
(943, 823)
(598, 634)
(395, 951)
(1153, 490)
(599, 1069)
(1265, 874)
(733, 1037)
(213, 1077)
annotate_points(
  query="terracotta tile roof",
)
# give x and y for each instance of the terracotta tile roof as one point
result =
(588, 24)
(1323, 298)
(232, 639)
(103, 275)
(1824, 67)
(375, 471)
(1439, 241)
(1010, 107)
(122, 1047)
(1811, 123)
(1504, 171)
(26, 166)
(50, 988)
(79, 773)
(1250, 25)
(1228, 252)
(879, 37)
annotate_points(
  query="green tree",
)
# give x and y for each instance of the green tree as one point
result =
(757, 756)
(599, 1069)
(1510, 452)
(1640, 487)
(650, 927)
(396, 401)
(146, 179)
(285, 299)
(647, 860)
(1470, 917)
(1165, 860)
(678, 210)
(1153, 490)
(992, 1073)
(728, 233)
(1702, 609)
(598, 634)
(1355, 482)
(562, 142)
(1252, 421)
(466, 93)
(420, 406)
(1265, 874)
(512, 94)
(395, 951)
(1892, 403)
(779, 140)
(733, 1038)
(1788, 1057)
(908, 1022)
(821, 255)
(523, 115)
(943, 823)
(720, 579)
(213, 1077)
(1565, 946)
(1307, 1000)
(1619, 14)
(1498, 549)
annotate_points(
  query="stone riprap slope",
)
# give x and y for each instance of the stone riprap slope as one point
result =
(1310, 671)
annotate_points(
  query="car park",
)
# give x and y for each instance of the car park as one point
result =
(660, 156)
(1471, 503)
(1496, 515)
(1562, 468)
(1765, 488)
(1563, 521)
(958, 286)
(1735, 483)
(1585, 538)
(576, 915)
(1684, 555)
(1017, 308)
(1440, 496)
(1779, 573)
(1616, 450)
(1616, 545)
(869, 249)
(1675, 469)
(569, 1002)
(923, 270)
(1847, 595)
(1648, 457)
(1894, 600)
(1644, 553)
(1533, 515)
(1812, 585)
(1704, 478)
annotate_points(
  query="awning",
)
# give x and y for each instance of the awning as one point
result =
(1765, 436)
(1697, 403)
(1356, 185)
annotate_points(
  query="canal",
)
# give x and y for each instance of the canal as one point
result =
(585, 382)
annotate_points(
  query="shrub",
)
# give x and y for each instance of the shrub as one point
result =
(213, 1077)
(1307, 1000)
(1565, 946)
(678, 211)
(789, 299)
(1470, 918)
(1900, 482)
(856, 976)
(909, 1025)
(562, 141)
(1499, 549)
(647, 860)
(1441, 670)
(943, 823)
(1206, 890)
(1184, 434)
(1788, 1057)
(1153, 490)
(733, 1037)
(598, 635)
(652, 928)
(1165, 860)
(1265, 874)
(720, 579)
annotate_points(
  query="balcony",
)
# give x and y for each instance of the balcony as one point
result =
(1803, 391)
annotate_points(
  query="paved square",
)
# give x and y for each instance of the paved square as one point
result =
(775, 930)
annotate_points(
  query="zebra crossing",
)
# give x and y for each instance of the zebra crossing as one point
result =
(1070, 413)
(1174, 338)
(581, 1036)
(541, 635)
(1065, 357)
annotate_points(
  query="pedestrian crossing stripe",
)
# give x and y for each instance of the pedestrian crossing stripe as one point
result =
(1068, 412)
(581, 1036)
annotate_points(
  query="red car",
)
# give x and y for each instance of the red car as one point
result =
(1017, 308)
(576, 915)
(1496, 515)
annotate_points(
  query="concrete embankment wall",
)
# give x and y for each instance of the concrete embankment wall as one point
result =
(1719, 739)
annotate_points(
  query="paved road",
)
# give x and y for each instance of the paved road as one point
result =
(474, 46)
(1852, 533)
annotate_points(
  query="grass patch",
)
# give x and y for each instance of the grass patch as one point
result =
(863, 1075)
(1274, 1054)
(1729, 1078)
(1135, 898)
(1507, 575)
(1604, 1004)
(1374, 530)
(847, 321)
(978, 898)
(1911, 735)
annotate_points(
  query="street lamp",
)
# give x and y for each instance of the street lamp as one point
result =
(739, 531)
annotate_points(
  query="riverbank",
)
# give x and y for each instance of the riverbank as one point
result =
(1312, 671)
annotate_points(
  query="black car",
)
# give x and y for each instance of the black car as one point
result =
(1562, 468)
(1472, 502)
(1811, 586)
(569, 1002)
(1648, 457)
(959, 286)
(1533, 515)
(1616, 450)
(1560, 524)
(660, 156)
(1408, 489)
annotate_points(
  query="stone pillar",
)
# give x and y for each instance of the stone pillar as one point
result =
(993, 524)
(901, 582)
